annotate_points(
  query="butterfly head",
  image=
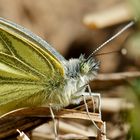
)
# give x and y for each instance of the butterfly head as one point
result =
(82, 67)
(88, 68)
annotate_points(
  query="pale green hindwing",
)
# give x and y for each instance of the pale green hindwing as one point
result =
(29, 68)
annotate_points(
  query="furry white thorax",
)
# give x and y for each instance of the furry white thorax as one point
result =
(75, 80)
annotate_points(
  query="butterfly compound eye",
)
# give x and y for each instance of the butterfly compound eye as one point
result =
(85, 68)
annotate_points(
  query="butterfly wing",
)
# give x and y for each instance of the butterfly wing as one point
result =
(29, 68)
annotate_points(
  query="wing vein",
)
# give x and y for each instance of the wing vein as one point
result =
(10, 50)
(23, 63)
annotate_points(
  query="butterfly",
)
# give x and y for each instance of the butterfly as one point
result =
(33, 73)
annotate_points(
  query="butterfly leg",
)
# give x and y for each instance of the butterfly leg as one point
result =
(80, 95)
(77, 98)
(102, 128)
(86, 106)
(92, 95)
(54, 122)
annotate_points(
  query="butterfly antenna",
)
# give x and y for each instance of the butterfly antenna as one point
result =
(113, 37)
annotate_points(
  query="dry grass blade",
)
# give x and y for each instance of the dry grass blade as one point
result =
(104, 81)
(26, 119)
(45, 112)
(22, 136)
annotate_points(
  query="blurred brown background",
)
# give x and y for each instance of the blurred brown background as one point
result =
(60, 23)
